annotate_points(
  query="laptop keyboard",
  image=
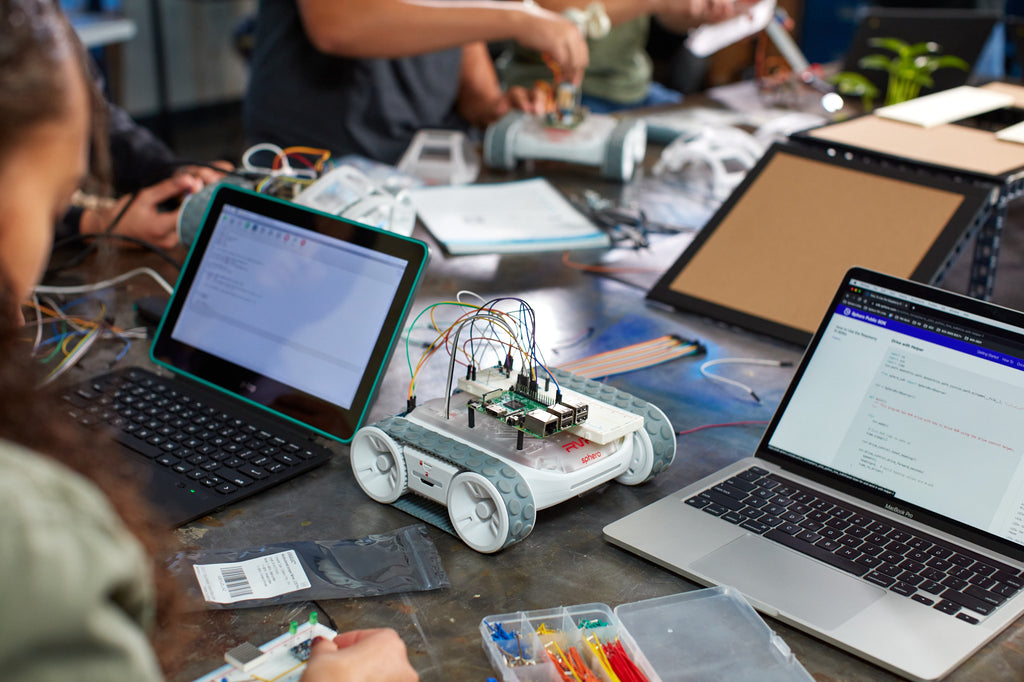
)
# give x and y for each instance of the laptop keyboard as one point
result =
(206, 446)
(928, 570)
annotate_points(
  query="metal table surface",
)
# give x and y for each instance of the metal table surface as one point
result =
(564, 561)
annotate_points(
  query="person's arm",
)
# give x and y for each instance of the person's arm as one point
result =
(404, 28)
(618, 11)
(138, 157)
(677, 16)
(141, 159)
(145, 167)
(480, 100)
(682, 15)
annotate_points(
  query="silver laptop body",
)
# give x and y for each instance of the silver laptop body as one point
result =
(908, 410)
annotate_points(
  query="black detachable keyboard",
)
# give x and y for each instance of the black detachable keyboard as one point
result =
(203, 452)
(924, 568)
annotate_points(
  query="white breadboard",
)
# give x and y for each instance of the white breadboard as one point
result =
(280, 664)
(605, 423)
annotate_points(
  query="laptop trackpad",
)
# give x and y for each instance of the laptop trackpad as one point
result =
(793, 584)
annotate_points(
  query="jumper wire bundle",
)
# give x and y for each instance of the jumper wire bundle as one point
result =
(611, 657)
(633, 357)
(281, 178)
(496, 332)
(74, 334)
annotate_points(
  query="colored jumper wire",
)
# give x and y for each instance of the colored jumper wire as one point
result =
(633, 357)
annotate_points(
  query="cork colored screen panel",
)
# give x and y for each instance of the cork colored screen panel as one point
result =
(952, 146)
(773, 255)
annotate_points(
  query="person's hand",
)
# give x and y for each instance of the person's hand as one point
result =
(689, 13)
(485, 113)
(206, 174)
(558, 38)
(376, 655)
(720, 10)
(532, 101)
(143, 219)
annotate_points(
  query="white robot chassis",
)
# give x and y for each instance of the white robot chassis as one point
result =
(478, 478)
(616, 146)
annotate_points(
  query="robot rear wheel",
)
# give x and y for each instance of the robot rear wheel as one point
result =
(641, 464)
(478, 512)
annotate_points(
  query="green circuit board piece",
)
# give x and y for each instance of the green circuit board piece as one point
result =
(529, 415)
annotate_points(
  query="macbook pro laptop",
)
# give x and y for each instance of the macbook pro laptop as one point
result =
(278, 330)
(883, 510)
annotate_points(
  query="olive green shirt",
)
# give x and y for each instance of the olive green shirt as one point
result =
(619, 70)
(76, 597)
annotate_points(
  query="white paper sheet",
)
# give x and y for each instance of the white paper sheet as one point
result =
(946, 106)
(710, 38)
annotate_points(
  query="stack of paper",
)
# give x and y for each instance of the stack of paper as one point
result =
(509, 217)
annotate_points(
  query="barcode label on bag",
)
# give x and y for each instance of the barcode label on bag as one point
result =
(260, 578)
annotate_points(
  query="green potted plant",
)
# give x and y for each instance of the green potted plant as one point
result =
(909, 70)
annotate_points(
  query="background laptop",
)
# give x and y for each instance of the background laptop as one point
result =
(883, 510)
(278, 330)
(959, 32)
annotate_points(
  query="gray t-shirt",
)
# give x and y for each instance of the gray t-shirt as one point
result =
(75, 585)
(373, 107)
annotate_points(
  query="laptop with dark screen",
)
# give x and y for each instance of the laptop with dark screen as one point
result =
(958, 32)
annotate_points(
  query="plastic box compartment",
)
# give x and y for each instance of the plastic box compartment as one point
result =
(708, 634)
(570, 625)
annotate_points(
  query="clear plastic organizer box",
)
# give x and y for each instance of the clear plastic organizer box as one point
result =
(707, 634)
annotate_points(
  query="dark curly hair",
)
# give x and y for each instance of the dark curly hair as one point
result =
(35, 43)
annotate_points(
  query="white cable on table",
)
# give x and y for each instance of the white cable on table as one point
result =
(113, 281)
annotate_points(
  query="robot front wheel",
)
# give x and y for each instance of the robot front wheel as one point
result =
(624, 149)
(477, 510)
(379, 465)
